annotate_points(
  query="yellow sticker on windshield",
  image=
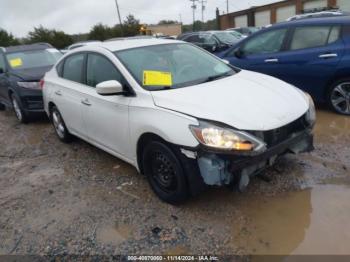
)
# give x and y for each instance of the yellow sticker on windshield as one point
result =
(157, 78)
(16, 62)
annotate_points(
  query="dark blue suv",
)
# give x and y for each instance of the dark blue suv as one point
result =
(21, 69)
(312, 54)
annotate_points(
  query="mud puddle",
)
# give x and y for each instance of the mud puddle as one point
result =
(313, 221)
(331, 127)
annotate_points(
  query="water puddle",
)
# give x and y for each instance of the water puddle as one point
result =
(331, 127)
(313, 221)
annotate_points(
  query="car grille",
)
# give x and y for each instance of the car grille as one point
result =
(278, 135)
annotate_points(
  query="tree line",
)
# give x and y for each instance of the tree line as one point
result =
(59, 39)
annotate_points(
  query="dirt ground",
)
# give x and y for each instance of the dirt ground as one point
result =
(76, 199)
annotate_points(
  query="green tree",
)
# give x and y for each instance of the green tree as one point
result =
(7, 39)
(58, 39)
(167, 22)
(131, 26)
(100, 32)
(200, 26)
(40, 34)
(61, 40)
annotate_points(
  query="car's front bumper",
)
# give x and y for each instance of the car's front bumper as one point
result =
(224, 168)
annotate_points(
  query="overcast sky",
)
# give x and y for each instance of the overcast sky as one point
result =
(78, 16)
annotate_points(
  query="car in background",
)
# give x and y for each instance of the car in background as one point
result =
(80, 44)
(137, 37)
(212, 41)
(245, 31)
(236, 34)
(330, 13)
(311, 54)
(181, 116)
(21, 70)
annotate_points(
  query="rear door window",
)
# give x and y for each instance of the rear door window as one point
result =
(73, 68)
(265, 43)
(192, 39)
(100, 69)
(314, 36)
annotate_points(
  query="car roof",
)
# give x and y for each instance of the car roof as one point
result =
(22, 48)
(118, 45)
(318, 20)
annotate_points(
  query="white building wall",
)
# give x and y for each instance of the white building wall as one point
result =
(241, 21)
(262, 18)
(285, 12)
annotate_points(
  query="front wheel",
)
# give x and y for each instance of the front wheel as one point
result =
(165, 173)
(339, 97)
(59, 125)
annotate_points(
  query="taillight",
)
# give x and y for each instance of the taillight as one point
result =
(42, 82)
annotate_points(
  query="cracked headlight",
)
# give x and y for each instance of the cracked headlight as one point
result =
(311, 113)
(223, 138)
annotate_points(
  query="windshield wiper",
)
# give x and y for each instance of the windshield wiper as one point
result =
(213, 78)
(159, 88)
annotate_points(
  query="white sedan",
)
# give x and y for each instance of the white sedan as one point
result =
(183, 117)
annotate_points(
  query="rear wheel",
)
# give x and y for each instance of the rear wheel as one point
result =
(2, 107)
(339, 97)
(165, 173)
(59, 125)
(17, 108)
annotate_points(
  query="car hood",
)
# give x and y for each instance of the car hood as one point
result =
(32, 74)
(246, 101)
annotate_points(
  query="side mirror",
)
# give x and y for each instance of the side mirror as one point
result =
(109, 88)
(239, 53)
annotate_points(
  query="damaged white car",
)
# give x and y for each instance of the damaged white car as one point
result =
(181, 116)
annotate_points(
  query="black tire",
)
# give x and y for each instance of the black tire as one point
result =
(338, 97)
(59, 125)
(2, 107)
(22, 117)
(165, 173)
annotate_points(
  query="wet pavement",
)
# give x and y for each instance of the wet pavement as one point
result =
(75, 199)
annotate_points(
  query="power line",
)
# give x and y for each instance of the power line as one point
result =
(120, 19)
(194, 7)
(203, 2)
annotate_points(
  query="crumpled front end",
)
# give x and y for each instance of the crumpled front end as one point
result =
(227, 168)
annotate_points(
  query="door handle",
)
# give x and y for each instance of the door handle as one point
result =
(59, 93)
(328, 56)
(86, 102)
(272, 60)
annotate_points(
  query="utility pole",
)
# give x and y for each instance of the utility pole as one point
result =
(227, 6)
(120, 19)
(194, 7)
(203, 2)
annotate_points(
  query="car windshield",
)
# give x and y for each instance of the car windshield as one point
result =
(33, 59)
(170, 66)
(236, 34)
(226, 37)
(253, 29)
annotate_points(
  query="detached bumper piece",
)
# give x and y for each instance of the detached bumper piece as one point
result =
(221, 169)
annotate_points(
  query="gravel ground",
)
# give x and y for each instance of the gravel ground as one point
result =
(75, 199)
